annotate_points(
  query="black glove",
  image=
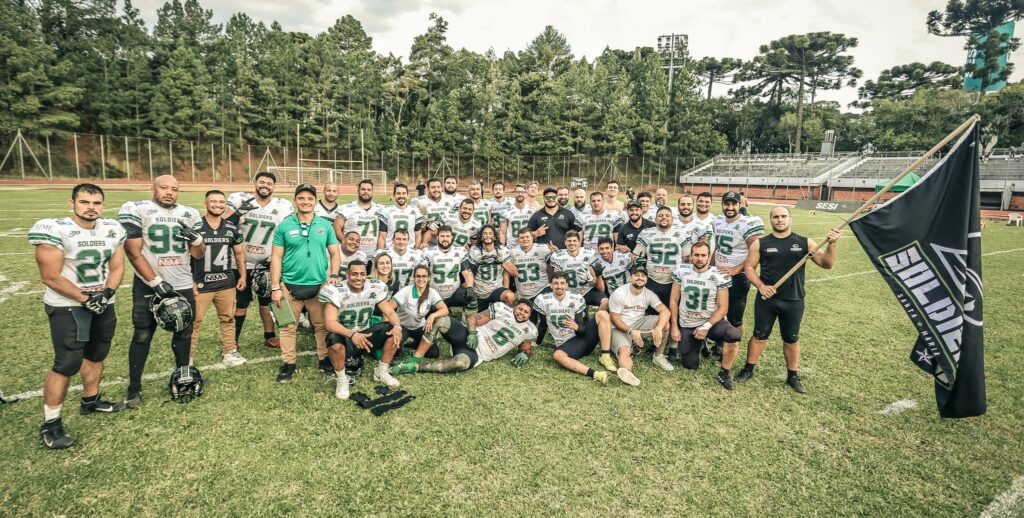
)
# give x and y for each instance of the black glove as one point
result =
(433, 225)
(194, 238)
(246, 207)
(97, 302)
(163, 290)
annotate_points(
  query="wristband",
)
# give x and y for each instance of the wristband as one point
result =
(335, 276)
(156, 281)
(275, 289)
(706, 326)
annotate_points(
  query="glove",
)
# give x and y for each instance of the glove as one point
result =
(246, 207)
(433, 225)
(472, 340)
(194, 238)
(163, 289)
(520, 359)
(98, 301)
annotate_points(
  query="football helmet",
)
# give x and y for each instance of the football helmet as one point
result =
(172, 313)
(186, 384)
(261, 281)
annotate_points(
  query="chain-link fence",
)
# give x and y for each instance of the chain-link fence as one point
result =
(90, 156)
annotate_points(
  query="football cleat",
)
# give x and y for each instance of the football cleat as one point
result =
(607, 362)
(52, 433)
(272, 342)
(601, 377)
(744, 375)
(724, 380)
(100, 407)
(382, 373)
(661, 361)
(798, 386)
(341, 389)
(286, 373)
(133, 401)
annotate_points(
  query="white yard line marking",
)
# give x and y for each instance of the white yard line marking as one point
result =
(36, 292)
(1009, 503)
(865, 272)
(17, 253)
(898, 407)
(13, 289)
(160, 375)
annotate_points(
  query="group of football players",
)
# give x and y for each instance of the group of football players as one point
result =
(369, 279)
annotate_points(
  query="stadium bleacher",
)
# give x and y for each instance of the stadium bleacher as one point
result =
(887, 167)
(760, 166)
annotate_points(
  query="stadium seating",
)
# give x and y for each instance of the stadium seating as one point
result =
(762, 166)
(887, 167)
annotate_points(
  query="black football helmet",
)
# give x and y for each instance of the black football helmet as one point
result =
(186, 384)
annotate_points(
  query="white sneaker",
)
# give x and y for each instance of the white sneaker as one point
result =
(233, 359)
(191, 361)
(341, 392)
(661, 361)
(383, 374)
(627, 376)
(304, 321)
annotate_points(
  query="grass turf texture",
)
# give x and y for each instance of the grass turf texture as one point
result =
(538, 440)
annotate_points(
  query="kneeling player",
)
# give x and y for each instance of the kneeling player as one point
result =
(493, 267)
(699, 303)
(566, 316)
(347, 311)
(81, 262)
(580, 266)
(489, 336)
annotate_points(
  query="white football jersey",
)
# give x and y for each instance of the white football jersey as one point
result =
(328, 214)
(663, 251)
(347, 260)
(463, 231)
(616, 272)
(498, 207)
(575, 268)
(698, 293)
(481, 210)
(696, 229)
(596, 226)
(363, 221)
(515, 219)
(87, 252)
(432, 210)
(452, 201)
(446, 268)
(355, 307)
(411, 313)
(558, 312)
(652, 212)
(731, 238)
(502, 333)
(488, 268)
(404, 264)
(163, 246)
(533, 269)
(393, 217)
(259, 224)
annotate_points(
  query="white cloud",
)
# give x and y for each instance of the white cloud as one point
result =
(890, 32)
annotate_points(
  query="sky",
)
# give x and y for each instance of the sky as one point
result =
(891, 32)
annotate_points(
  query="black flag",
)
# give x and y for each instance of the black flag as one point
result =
(926, 243)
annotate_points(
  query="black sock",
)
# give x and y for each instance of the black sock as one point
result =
(90, 399)
(724, 371)
(267, 335)
(590, 373)
(749, 367)
(239, 320)
(790, 374)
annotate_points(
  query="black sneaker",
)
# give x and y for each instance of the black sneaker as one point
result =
(286, 373)
(744, 376)
(326, 367)
(704, 351)
(133, 400)
(724, 380)
(794, 381)
(53, 436)
(716, 351)
(100, 407)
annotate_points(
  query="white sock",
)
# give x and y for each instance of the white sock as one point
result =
(383, 366)
(51, 412)
(340, 373)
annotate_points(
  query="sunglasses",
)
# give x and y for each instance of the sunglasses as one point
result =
(551, 197)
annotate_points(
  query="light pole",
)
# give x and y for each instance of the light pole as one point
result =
(671, 48)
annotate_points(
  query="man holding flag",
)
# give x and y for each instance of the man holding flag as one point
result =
(926, 243)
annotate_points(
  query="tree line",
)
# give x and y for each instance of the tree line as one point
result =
(94, 66)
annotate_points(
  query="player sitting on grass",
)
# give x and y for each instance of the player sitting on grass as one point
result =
(575, 337)
(490, 336)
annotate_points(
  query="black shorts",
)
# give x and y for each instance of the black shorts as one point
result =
(583, 343)
(663, 291)
(689, 347)
(142, 317)
(378, 337)
(459, 299)
(594, 297)
(68, 348)
(738, 299)
(495, 296)
(457, 336)
(788, 312)
(244, 297)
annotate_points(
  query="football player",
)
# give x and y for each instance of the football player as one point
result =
(660, 200)
(347, 311)
(463, 225)
(515, 217)
(257, 216)
(699, 302)
(400, 216)
(350, 252)
(449, 266)
(531, 261)
(481, 207)
(632, 225)
(628, 307)
(329, 208)
(403, 258)
(612, 201)
(160, 246)
(499, 204)
(661, 250)
(597, 222)
(360, 216)
(579, 202)
(81, 262)
(734, 233)
(614, 265)
(565, 314)
(579, 266)
(492, 265)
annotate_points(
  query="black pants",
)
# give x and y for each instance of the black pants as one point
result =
(378, 337)
(145, 325)
(789, 313)
(459, 299)
(73, 343)
(458, 335)
(485, 303)
(738, 299)
(689, 347)
(583, 343)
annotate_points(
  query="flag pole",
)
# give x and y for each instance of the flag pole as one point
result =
(871, 201)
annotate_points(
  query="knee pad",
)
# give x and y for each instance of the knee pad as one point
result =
(461, 361)
(143, 336)
(735, 336)
(762, 335)
(791, 339)
(441, 325)
(68, 363)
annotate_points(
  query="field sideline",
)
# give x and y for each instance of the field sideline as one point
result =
(533, 441)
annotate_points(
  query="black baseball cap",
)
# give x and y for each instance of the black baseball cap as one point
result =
(731, 196)
(305, 187)
(638, 268)
(633, 203)
(551, 190)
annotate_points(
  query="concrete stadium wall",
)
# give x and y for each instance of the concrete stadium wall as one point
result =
(752, 191)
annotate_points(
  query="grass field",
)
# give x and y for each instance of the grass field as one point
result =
(532, 441)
